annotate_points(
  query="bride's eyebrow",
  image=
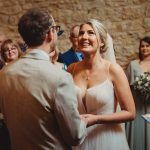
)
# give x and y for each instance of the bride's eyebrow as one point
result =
(90, 30)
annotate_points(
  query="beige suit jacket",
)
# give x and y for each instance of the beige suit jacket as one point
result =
(39, 105)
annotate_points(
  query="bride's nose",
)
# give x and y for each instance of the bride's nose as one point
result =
(85, 35)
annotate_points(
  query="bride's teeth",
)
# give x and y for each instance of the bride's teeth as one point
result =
(85, 44)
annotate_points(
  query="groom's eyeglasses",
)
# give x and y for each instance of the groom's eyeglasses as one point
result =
(58, 30)
(54, 27)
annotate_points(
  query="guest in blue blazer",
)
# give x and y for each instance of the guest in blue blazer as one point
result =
(72, 55)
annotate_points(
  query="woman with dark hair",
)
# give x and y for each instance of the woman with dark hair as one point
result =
(138, 132)
(145, 42)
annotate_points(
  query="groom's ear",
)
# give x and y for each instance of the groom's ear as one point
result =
(49, 36)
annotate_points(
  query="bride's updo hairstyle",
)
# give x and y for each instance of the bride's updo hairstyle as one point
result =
(100, 31)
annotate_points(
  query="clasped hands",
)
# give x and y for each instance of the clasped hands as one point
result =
(89, 119)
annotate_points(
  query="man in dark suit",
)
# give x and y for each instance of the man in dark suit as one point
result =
(72, 55)
(38, 99)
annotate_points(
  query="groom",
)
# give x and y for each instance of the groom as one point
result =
(37, 99)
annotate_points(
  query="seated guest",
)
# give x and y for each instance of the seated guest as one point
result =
(72, 55)
(10, 51)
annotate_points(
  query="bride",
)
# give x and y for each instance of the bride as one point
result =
(101, 84)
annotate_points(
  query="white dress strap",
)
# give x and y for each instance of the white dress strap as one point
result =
(108, 72)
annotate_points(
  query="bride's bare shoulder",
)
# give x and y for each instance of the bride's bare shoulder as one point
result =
(116, 70)
(72, 67)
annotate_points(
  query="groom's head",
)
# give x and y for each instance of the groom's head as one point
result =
(35, 26)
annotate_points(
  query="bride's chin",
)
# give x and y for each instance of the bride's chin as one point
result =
(85, 49)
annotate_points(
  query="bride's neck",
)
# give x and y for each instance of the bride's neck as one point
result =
(92, 61)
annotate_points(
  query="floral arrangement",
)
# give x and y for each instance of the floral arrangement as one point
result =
(142, 84)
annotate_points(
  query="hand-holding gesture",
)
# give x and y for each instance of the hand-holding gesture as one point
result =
(89, 119)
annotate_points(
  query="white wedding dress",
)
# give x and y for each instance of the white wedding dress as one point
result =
(100, 100)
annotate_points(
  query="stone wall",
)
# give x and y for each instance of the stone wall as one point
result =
(126, 20)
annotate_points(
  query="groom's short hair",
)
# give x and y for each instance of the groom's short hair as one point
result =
(34, 25)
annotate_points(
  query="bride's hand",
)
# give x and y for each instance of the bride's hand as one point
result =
(90, 119)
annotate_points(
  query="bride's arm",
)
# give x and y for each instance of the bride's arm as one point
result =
(124, 97)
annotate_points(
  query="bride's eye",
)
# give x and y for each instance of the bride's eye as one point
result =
(91, 32)
(81, 33)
